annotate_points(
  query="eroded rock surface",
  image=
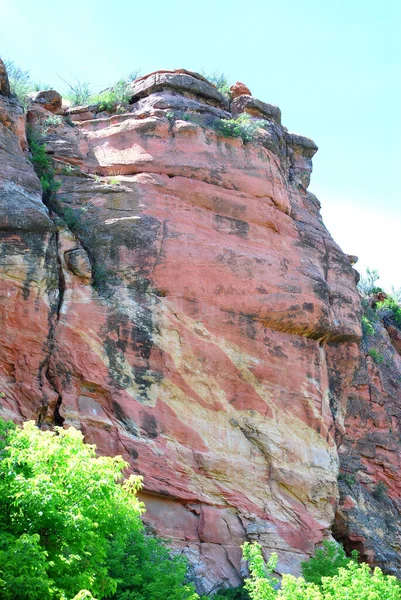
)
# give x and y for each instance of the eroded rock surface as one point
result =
(203, 349)
(368, 516)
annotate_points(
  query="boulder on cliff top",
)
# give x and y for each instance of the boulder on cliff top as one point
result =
(180, 81)
(4, 82)
(239, 89)
(49, 99)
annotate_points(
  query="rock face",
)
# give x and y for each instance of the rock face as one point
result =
(183, 304)
(368, 516)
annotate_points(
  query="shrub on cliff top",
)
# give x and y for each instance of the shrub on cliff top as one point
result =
(220, 81)
(70, 524)
(243, 126)
(21, 83)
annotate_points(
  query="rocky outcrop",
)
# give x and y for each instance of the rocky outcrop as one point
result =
(4, 83)
(29, 282)
(180, 300)
(368, 516)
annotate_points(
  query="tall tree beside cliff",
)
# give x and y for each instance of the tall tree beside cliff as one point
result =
(66, 516)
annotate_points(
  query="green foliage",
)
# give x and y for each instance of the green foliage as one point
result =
(367, 283)
(326, 562)
(376, 355)
(109, 99)
(347, 478)
(21, 83)
(261, 585)
(70, 217)
(238, 593)
(146, 571)
(101, 277)
(43, 165)
(389, 310)
(116, 96)
(68, 504)
(220, 81)
(380, 491)
(367, 326)
(68, 170)
(243, 126)
(70, 524)
(52, 121)
(79, 93)
(352, 582)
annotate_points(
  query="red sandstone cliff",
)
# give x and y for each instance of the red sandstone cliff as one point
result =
(181, 301)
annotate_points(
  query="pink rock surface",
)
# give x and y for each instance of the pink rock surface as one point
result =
(201, 349)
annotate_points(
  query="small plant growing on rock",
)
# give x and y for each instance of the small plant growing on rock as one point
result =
(367, 326)
(43, 165)
(376, 355)
(68, 170)
(79, 93)
(347, 478)
(367, 283)
(52, 121)
(21, 83)
(389, 311)
(379, 491)
(220, 81)
(243, 126)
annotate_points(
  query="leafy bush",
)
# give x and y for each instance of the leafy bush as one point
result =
(79, 93)
(117, 95)
(70, 524)
(389, 310)
(367, 283)
(348, 478)
(109, 99)
(326, 562)
(52, 121)
(380, 491)
(220, 81)
(352, 582)
(43, 165)
(238, 593)
(367, 326)
(376, 355)
(21, 83)
(145, 571)
(243, 126)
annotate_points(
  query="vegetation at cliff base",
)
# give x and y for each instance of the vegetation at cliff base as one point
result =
(71, 528)
(351, 582)
(70, 524)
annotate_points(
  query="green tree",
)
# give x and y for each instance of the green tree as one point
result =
(326, 562)
(367, 283)
(70, 524)
(353, 582)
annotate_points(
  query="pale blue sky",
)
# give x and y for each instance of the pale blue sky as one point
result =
(333, 67)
